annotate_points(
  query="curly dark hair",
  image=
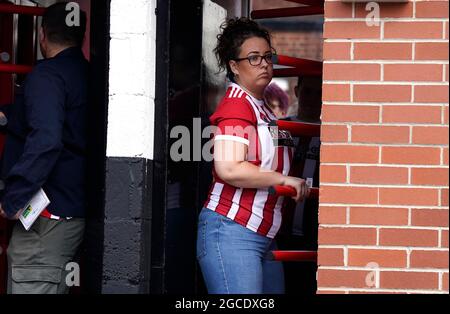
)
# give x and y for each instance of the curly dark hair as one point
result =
(233, 34)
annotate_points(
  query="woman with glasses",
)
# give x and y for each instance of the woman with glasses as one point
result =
(240, 218)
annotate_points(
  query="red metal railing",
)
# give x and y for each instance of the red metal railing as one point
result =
(287, 12)
(308, 2)
(9, 8)
(291, 72)
(285, 190)
(14, 68)
(299, 67)
(21, 9)
(297, 62)
(294, 256)
(297, 128)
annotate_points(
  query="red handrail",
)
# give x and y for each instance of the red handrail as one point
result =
(297, 62)
(308, 2)
(297, 128)
(287, 12)
(284, 190)
(314, 193)
(291, 72)
(21, 9)
(294, 256)
(14, 68)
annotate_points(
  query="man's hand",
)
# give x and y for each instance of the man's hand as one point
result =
(3, 214)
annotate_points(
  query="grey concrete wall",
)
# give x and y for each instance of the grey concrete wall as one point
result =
(127, 225)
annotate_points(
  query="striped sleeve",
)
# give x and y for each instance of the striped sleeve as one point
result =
(235, 121)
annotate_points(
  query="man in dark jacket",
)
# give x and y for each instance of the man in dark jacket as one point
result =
(45, 148)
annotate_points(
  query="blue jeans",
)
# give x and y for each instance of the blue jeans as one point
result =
(233, 259)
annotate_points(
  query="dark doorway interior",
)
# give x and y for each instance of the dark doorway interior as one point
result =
(178, 187)
(92, 254)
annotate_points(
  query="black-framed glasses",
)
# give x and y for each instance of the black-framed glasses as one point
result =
(256, 60)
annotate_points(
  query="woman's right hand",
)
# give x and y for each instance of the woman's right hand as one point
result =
(299, 185)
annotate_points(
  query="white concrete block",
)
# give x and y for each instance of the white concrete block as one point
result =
(130, 126)
(132, 79)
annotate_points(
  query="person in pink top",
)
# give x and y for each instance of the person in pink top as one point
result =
(277, 99)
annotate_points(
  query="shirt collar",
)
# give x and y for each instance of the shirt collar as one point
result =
(68, 52)
(255, 100)
(71, 51)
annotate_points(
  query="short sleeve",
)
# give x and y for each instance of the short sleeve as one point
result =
(235, 121)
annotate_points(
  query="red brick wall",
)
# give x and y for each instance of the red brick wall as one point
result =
(300, 44)
(384, 161)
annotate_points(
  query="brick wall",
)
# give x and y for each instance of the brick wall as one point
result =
(384, 179)
(299, 44)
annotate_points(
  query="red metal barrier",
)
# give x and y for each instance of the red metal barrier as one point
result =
(13, 68)
(308, 2)
(21, 9)
(287, 12)
(297, 62)
(298, 66)
(291, 72)
(298, 128)
(314, 193)
(294, 256)
(284, 190)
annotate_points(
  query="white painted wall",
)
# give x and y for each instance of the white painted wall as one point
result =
(132, 79)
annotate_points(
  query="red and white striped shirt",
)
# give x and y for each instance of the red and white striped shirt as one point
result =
(253, 208)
